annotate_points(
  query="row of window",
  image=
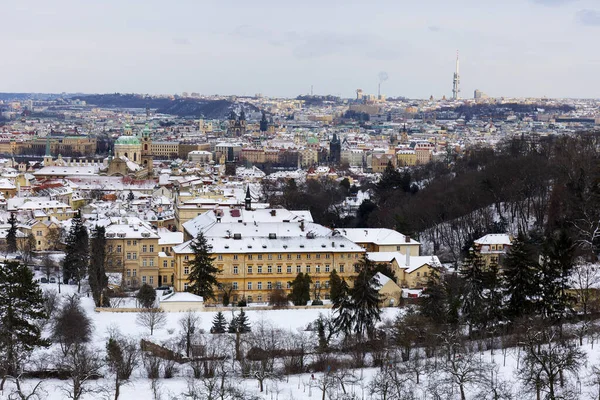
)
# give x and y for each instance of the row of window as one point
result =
(269, 285)
(279, 268)
(288, 256)
(119, 249)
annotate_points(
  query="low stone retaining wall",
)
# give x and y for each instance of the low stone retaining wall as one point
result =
(221, 308)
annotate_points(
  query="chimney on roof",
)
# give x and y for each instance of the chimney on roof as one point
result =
(407, 239)
(302, 225)
(407, 257)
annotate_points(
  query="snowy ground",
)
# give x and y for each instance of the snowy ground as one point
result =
(293, 387)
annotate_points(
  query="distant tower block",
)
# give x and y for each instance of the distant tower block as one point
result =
(359, 94)
(456, 81)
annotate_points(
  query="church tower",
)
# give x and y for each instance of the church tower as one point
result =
(147, 150)
(47, 156)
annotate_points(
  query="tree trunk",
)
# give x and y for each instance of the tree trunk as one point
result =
(462, 392)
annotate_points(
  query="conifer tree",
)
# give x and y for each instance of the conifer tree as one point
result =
(11, 236)
(473, 298)
(97, 274)
(239, 323)
(219, 324)
(365, 299)
(558, 261)
(75, 264)
(300, 294)
(146, 296)
(433, 302)
(21, 304)
(243, 325)
(338, 288)
(493, 295)
(203, 274)
(521, 279)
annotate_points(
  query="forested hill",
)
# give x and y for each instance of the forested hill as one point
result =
(211, 109)
(522, 185)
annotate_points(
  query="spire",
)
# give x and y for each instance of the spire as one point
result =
(248, 199)
(47, 146)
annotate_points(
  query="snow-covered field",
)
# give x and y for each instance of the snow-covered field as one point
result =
(293, 387)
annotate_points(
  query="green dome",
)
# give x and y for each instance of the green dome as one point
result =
(312, 140)
(127, 140)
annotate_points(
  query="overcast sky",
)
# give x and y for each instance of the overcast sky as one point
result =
(280, 48)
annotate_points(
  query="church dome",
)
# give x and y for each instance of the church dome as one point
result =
(128, 140)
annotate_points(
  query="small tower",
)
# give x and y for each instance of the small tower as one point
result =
(404, 135)
(248, 199)
(47, 156)
(147, 149)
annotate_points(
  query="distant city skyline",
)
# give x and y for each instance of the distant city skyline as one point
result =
(515, 48)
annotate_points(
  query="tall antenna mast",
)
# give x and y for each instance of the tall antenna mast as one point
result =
(456, 81)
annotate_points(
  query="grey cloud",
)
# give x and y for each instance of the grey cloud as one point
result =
(588, 17)
(182, 41)
(553, 2)
(434, 28)
(323, 44)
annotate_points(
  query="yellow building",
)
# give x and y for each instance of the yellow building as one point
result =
(412, 272)
(253, 266)
(380, 161)
(493, 247)
(381, 240)
(132, 249)
(258, 250)
(406, 158)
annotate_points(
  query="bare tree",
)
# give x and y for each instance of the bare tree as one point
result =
(546, 359)
(464, 370)
(189, 324)
(122, 356)
(585, 278)
(84, 365)
(22, 393)
(264, 343)
(151, 318)
(48, 265)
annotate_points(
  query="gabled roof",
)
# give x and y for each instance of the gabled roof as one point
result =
(379, 236)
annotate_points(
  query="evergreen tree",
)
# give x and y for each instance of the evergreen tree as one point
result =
(75, 264)
(130, 196)
(239, 323)
(521, 280)
(300, 294)
(473, 298)
(203, 274)
(219, 323)
(365, 299)
(97, 275)
(11, 236)
(433, 302)
(338, 288)
(146, 296)
(243, 324)
(493, 296)
(21, 304)
(558, 261)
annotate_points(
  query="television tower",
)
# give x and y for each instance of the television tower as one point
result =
(456, 81)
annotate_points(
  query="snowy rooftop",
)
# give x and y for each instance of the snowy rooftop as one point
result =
(380, 236)
(494, 238)
(130, 227)
(256, 222)
(181, 297)
(414, 262)
(335, 244)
